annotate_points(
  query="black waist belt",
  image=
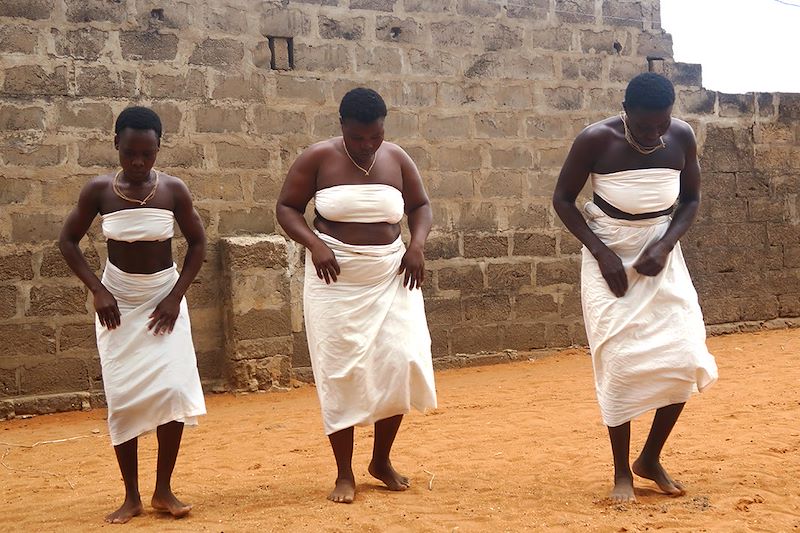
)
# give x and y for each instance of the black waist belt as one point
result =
(614, 212)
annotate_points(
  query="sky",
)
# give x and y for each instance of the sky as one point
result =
(743, 45)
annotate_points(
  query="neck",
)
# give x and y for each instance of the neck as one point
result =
(644, 145)
(136, 181)
(358, 160)
(628, 132)
(363, 162)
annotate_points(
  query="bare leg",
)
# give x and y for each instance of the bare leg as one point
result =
(623, 478)
(648, 464)
(381, 467)
(342, 444)
(127, 458)
(169, 442)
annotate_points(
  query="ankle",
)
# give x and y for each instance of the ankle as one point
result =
(380, 461)
(162, 489)
(646, 459)
(345, 475)
(133, 497)
(624, 475)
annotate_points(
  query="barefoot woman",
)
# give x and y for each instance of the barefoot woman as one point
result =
(367, 334)
(642, 317)
(142, 324)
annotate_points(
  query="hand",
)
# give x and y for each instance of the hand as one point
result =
(325, 263)
(164, 315)
(105, 305)
(613, 272)
(413, 264)
(653, 259)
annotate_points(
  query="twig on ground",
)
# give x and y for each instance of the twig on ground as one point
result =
(430, 482)
(34, 445)
(39, 443)
(3, 462)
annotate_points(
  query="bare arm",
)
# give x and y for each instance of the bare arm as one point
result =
(571, 180)
(192, 228)
(420, 219)
(75, 227)
(166, 312)
(654, 257)
(298, 189)
(689, 197)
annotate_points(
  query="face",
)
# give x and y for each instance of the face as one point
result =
(137, 152)
(648, 126)
(362, 140)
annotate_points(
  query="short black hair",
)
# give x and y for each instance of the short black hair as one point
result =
(138, 118)
(650, 92)
(363, 105)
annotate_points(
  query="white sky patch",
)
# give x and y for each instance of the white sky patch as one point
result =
(743, 45)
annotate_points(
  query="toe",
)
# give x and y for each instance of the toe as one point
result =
(676, 490)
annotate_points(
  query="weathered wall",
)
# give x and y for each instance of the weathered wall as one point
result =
(744, 250)
(485, 95)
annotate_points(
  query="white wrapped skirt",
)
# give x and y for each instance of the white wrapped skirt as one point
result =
(149, 379)
(648, 347)
(367, 337)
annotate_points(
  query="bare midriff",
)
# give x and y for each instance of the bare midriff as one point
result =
(358, 233)
(141, 257)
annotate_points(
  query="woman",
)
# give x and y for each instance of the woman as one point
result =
(367, 335)
(143, 332)
(642, 318)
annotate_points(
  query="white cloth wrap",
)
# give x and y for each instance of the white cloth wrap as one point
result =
(641, 190)
(149, 379)
(139, 224)
(367, 336)
(363, 203)
(648, 347)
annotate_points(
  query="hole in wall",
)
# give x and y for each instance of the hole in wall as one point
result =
(618, 47)
(157, 14)
(281, 51)
(395, 32)
(655, 64)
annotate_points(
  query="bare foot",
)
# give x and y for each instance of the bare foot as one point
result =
(168, 503)
(129, 509)
(657, 473)
(623, 491)
(391, 477)
(344, 491)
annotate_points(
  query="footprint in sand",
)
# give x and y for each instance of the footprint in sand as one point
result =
(745, 503)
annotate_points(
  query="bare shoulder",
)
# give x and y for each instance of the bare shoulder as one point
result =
(595, 137)
(322, 148)
(396, 151)
(601, 129)
(393, 148)
(683, 131)
(680, 125)
(98, 184)
(171, 182)
(314, 155)
(103, 180)
(178, 190)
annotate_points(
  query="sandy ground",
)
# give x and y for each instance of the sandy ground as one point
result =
(516, 447)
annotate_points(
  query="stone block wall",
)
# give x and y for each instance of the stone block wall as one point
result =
(486, 96)
(258, 311)
(744, 250)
